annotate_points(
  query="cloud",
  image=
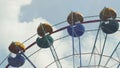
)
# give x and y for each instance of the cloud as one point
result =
(11, 29)
(14, 30)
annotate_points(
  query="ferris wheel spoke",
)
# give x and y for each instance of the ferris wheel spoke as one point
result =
(94, 46)
(28, 60)
(80, 52)
(118, 65)
(34, 52)
(112, 53)
(59, 23)
(7, 66)
(73, 52)
(5, 59)
(102, 51)
(26, 57)
(118, 55)
(56, 59)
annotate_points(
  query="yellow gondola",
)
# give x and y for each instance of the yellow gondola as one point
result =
(16, 47)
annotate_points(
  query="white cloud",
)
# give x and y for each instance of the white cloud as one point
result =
(13, 30)
(10, 10)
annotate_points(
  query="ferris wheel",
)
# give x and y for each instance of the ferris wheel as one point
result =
(90, 48)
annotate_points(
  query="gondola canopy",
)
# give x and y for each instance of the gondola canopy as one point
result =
(44, 28)
(74, 17)
(16, 47)
(107, 13)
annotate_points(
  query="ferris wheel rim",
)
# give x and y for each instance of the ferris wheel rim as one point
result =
(84, 54)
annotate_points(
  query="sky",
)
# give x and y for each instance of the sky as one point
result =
(20, 18)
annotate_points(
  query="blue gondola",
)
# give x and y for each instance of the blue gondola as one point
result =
(77, 31)
(16, 61)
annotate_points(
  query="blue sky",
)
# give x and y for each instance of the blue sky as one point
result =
(20, 18)
(56, 11)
